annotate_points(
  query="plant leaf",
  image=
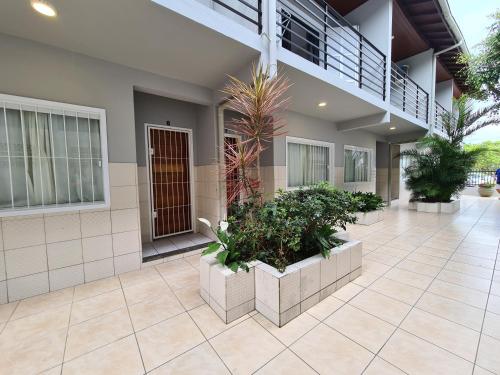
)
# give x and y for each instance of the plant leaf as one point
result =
(211, 248)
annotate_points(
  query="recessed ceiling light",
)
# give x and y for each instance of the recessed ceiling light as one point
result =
(392, 128)
(44, 8)
(322, 104)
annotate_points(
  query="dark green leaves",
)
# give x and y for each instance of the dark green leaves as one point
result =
(211, 248)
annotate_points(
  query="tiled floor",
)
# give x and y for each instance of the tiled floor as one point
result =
(173, 245)
(428, 302)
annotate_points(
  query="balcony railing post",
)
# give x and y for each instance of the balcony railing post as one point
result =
(360, 78)
(404, 93)
(416, 107)
(259, 16)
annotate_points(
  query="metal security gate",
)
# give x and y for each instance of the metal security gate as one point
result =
(170, 176)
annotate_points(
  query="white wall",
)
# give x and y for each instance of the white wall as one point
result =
(444, 94)
(420, 69)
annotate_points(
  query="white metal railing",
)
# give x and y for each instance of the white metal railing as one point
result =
(438, 117)
(407, 95)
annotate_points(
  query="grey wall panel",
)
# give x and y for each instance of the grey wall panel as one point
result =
(36, 70)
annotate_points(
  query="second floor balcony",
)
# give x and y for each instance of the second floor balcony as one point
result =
(408, 96)
(315, 31)
(438, 118)
(246, 12)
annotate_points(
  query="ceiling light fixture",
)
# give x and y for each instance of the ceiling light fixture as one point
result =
(392, 128)
(322, 104)
(44, 8)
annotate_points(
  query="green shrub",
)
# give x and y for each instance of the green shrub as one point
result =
(366, 202)
(294, 226)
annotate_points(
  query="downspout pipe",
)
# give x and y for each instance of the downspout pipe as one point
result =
(433, 87)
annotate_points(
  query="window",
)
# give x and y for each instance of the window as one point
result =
(357, 167)
(53, 156)
(308, 162)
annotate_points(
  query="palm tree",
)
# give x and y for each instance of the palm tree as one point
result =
(462, 121)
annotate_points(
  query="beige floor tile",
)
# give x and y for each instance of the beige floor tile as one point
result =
(53, 371)
(291, 331)
(427, 259)
(439, 253)
(491, 325)
(402, 292)
(366, 279)
(361, 327)
(147, 313)
(381, 367)
(38, 304)
(467, 281)
(164, 341)
(480, 371)
(32, 355)
(209, 322)
(324, 349)
(468, 269)
(416, 356)
(494, 304)
(193, 260)
(246, 347)
(325, 308)
(383, 307)
(286, 363)
(201, 359)
(145, 291)
(36, 325)
(97, 332)
(487, 355)
(190, 296)
(118, 358)
(459, 293)
(177, 266)
(455, 311)
(140, 276)
(472, 260)
(453, 337)
(96, 306)
(420, 268)
(379, 257)
(377, 268)
(6, 311)
(347, 292)
(96, 287)
(179, 280)
(410, 278)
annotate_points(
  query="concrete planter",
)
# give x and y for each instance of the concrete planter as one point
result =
(444, 208)
(280, 297)
(369, 218)
(230, 294)
(486, 191)
(451, 207)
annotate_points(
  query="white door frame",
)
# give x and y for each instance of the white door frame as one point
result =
(189, 132)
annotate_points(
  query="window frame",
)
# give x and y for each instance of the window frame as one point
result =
(370, 163)
(311, 142)
(62, 107)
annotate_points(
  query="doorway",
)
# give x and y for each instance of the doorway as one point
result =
(170, 172)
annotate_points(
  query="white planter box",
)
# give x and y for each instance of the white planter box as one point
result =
(412, 205)
(444, 208)
(280, 297)
(429, 207)
(230, 294)
(369, 218)
(449, 208)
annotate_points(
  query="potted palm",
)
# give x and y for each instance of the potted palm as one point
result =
(486, 189)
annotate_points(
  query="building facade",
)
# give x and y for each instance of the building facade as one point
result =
(112, 122)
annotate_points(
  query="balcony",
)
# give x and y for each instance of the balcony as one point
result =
(408, 96)
(246, 12)
(319, 34)
(438, 118)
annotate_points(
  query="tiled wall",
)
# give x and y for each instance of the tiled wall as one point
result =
(46, 252)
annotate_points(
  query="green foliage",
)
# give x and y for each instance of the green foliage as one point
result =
(489, 158)
(295, 225)
(482, 71)
(366, 202)
(438, 169)
(464, 121)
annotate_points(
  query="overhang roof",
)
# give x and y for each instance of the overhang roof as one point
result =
(434, 23)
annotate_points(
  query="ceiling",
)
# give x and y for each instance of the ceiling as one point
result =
(135, 33)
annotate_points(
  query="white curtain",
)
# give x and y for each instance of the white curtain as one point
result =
(356, 167)
(307, 164)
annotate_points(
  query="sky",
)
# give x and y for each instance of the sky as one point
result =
(472, 18)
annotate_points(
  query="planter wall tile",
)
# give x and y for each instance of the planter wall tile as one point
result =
(280, 297)
(412, 205)
(449, 208)
(428, 207)
(369, 218)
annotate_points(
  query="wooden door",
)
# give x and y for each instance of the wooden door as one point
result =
(170, 178)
